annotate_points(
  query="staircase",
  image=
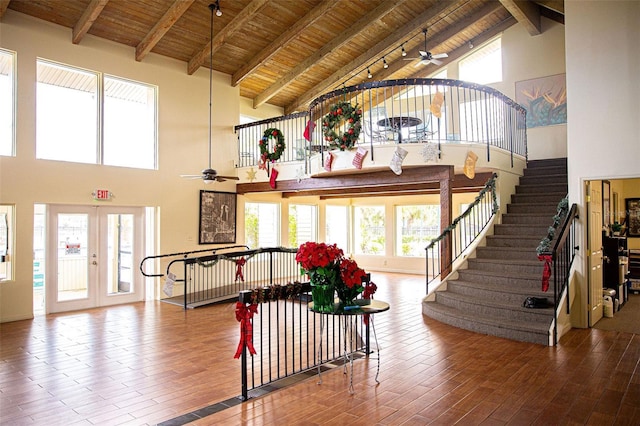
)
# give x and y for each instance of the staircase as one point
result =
(487, 296)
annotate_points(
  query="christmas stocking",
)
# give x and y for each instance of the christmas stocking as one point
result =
(469, 168)
(436, 105)
(396, 162)
(357, 160)
(272, 179)
(327, 161)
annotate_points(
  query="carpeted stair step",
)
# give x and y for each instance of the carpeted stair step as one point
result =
(539, 189)
(504, 266)
(526, 282)
(547, 162)
(493, 308)
(489, 291)
(522, 331)
(506, 253)
(543, 180)
(513, 241)
(521, 230)
(537, 198)
(538, 208)
(533, 219)
(545, 171)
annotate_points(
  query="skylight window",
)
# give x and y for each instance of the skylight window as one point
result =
(483, 66)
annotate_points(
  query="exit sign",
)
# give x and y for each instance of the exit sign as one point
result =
(102, 194)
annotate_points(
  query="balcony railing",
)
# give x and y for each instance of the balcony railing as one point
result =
(417, 110)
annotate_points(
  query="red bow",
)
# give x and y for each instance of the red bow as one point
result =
(244, 314)
(546, 273)
(239, 264)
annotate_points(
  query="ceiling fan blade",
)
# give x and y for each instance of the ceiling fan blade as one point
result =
(440, 56)
(417, 64)
(435, 61)
(423, 53)
(223, 178)
(191, 176)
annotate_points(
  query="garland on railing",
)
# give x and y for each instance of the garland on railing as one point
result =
(234, 259)
(275, 292)
(489, 186)
(561, 213)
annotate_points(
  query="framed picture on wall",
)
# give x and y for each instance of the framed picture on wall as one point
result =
(545, 100)
(217, 217)
(633, 217)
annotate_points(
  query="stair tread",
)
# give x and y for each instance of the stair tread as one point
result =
(528, 326)
(506, 261)
(502, 288)
(501, 274)
(493, 303)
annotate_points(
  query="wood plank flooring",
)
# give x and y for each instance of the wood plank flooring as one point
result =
(146, 363)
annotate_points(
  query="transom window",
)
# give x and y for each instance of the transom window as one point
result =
(87, 117)
(7, 102)
(483, 66)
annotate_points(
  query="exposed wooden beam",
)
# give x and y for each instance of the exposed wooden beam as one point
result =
(177, 9)
(555, 5)
(87, 19)
(353, 30)
(4, 4)
(526, 13)
(247, 14)
(419, 178)
(460, 184)
(282, 40)
(377, 50)
(439, 39)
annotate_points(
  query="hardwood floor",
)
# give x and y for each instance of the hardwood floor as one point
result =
(147, 363)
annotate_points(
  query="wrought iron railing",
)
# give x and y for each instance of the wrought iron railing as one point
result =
(280, 337)
(221, 275)
(409, 111)
(445, 249)
(559, 257)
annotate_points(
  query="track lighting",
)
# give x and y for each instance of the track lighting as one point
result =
(217, 8)
(369, 73)
(404, 52)
(385, 65)
(470, 45)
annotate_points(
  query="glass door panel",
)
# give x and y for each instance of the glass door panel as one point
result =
(120, 239)
(73, 266)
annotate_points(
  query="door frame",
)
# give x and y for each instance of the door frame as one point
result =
(96, 257)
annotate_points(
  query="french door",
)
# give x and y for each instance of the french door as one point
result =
(91, 256)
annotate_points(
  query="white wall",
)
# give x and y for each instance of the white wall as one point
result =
(603, 132)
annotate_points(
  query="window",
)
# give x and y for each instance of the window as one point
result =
(302, 224)
(337, 226)
(369, 229)
(69, 105)
(6, 241)
(262, 225)
(483, 66)
(7, 102)
(416, 226)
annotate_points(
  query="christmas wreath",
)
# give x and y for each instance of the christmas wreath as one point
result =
(339, 113)
(278, 147)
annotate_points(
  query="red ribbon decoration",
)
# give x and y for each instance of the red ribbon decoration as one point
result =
(546, 273)
(244, 314)
(239, 272)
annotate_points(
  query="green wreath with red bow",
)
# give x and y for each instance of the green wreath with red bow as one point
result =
(342, 113)
(278, 147)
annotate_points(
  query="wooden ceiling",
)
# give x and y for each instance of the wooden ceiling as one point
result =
(288, 52)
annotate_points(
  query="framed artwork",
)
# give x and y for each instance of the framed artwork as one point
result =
(633, 217)
(217, 217)
(545, 100)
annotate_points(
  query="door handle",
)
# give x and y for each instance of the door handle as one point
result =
(94, 263)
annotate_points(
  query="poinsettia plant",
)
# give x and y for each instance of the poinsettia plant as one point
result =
(326, 264)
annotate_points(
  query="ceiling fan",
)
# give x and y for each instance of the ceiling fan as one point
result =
(209, 175)
(426, 57)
